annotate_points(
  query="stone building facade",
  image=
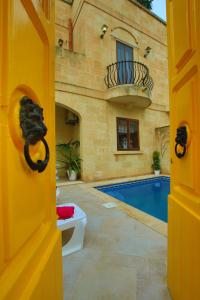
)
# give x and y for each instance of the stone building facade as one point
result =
(89, 34)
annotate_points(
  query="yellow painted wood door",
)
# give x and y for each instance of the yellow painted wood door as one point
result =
(30, 244)
(184, 200)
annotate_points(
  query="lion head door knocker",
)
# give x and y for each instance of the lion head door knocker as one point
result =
(181, 141)
(34, 130)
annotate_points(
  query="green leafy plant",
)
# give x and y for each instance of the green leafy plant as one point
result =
(156, 160)
(68, 156)
(146, 3)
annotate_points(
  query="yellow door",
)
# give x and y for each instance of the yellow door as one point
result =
(184, 200)
(30, 246)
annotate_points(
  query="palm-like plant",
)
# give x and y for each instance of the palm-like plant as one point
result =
(68, 155)
(156, 160)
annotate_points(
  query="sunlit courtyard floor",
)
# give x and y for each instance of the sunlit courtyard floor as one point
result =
(121, 259)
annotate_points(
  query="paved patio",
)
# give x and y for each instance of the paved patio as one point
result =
(122, 258)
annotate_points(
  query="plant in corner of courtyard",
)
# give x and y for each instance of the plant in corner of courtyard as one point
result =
(69, 157)
(156, 161)
(146, 3)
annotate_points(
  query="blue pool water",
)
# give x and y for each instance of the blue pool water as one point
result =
(148, 195)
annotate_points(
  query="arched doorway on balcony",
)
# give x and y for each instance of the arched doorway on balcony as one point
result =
(67, 133)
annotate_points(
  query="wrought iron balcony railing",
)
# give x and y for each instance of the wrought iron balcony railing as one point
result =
(128, 72)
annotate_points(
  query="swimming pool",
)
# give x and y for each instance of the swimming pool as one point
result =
(149, 195)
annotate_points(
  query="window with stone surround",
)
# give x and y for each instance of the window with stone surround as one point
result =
(127, 134)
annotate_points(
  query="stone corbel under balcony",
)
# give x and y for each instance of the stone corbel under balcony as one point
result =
(129, 82)
(129, 94)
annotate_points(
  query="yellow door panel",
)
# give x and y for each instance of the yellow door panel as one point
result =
(42, 6)
(47, 285)
(27, 77)
(184, 103)
(182, 31)
(30, 247)
(2, 257)
(2, 138)
(184, 199)
(184, 245)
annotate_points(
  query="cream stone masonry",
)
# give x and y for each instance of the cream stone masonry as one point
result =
(80, 85)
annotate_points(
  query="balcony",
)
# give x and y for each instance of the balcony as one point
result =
(129, 82)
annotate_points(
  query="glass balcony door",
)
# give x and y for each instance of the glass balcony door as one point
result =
(125, 67)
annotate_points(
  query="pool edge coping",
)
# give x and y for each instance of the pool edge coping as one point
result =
(146, 219)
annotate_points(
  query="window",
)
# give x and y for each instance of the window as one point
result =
(127, 134)
(125, 64)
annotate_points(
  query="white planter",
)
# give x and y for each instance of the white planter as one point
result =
(72, 175)
(57, 193)
(157, 172)
(57, 177)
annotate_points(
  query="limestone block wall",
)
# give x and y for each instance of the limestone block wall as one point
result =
(92, 54)
(98, 139)
(64, 133)
(92, 130)
(62, 15)
(163, 146)
(80, 82)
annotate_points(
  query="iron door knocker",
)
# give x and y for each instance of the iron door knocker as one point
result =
(34, 130)
(181, 141)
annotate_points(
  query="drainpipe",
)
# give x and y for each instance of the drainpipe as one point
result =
(70, 26)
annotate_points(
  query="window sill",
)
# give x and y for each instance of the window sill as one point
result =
(128, 152)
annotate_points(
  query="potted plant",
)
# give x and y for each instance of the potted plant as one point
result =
(156, 162)
(68, 156)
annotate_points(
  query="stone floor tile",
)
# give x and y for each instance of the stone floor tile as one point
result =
(121, 259)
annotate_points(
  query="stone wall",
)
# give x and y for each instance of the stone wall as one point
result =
(99, 141)
(64, 132)
(163, 146)
(86, 65)
(80, 82)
